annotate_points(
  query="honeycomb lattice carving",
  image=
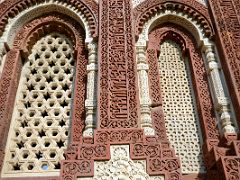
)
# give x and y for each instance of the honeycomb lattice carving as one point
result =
(182, 123)
(39, 129)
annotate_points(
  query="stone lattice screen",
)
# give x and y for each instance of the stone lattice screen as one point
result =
(39, 129)
(179, 106)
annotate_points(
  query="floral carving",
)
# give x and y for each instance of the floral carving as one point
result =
(141, 150)
(231, 166)
(119, 136)
(99, 152)
(70, 169)
(120, 166)
(169, 166)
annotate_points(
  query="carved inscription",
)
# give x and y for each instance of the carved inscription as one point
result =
(118, 60)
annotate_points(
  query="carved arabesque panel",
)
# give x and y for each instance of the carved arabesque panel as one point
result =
(118, 106)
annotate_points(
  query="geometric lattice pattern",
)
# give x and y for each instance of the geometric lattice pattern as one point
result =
(40, 122)
(182, 123)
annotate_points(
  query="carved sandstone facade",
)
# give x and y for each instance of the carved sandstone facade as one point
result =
(120, 89)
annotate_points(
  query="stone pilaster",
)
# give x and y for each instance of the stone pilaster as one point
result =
(221, 98)
(91, 101)
(145, 111)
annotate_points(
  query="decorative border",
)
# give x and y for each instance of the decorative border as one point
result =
(8, 89)
(11, 8)
(196, 10)
(231, 166)
(12, 70)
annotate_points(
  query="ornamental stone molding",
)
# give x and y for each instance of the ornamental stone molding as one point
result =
(188, 9)
(99, 159)
(14, 14)
(91, 98)
(3, 52)
(226, 17)
(175, 17)
(137, 2)
(221, 98)
(145, 102)
(118, 92)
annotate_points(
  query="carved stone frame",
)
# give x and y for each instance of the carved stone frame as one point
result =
(24, 40)
(200, 84)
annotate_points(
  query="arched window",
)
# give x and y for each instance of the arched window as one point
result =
(188, 105)
(50, 96)
(181, 107)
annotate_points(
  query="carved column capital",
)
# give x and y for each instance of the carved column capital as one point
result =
(92, 52)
